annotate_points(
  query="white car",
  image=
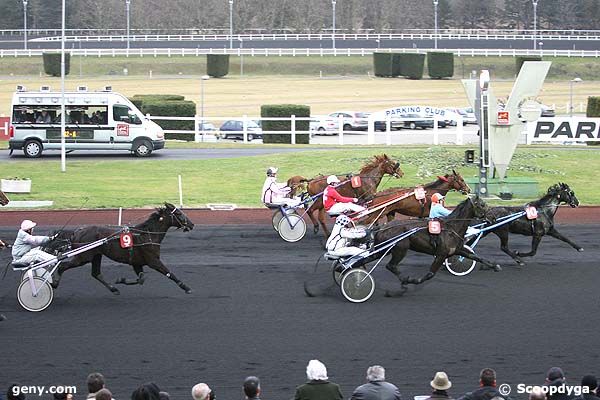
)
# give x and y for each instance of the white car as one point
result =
(352, 120)
(324, 125)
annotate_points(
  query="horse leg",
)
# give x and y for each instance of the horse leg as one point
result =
(139, 271)
(535, 242)
(323, 221)
(556, 234)
(158, 265)
(390, 216)
(475, 257)
(97, 274)
(64, 266)
(311, 214)
(398, 254)
(503, 236)
(435, 266)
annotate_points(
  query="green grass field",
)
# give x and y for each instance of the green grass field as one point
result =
(147, 183)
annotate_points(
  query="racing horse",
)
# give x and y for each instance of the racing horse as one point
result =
(3, 199)
(547, 206)
(449, 241)
(370, 177)
(147, 238)
(410, 205)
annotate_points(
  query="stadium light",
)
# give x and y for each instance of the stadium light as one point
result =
(25, 24)
(571, 82)
(202, 122)
(127, 3)
(535, 3)
(231, 24)
(435, 14)
(333, 23)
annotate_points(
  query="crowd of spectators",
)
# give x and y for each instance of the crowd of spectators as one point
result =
(319, 387)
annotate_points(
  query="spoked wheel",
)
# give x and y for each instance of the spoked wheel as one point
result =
(357, 285)
(292, 228)
(459, 265)
(41, 273)
(278, 215)
(38, 302)
(318, 282)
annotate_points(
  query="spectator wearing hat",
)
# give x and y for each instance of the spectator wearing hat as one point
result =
(376, 387)
(487, 387)
(440, 385)
(251, 388)
(591, 383)
(95, 383)
(26, 248)
(202, 391)
(318, 386)
(556, 377)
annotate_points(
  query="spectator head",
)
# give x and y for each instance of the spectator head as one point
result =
(13, 393)
(63, 396)
(251, 387)
(590, 382)
(440, 381)
(103, 394)
(147, 391)
(95, 382)
(164, 396)
(316, 371)
(376, 373)
(537, 393)
(201, 391)
(487, 377)
(555, 375)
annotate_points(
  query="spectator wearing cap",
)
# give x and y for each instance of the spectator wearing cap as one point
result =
(556, 377)
(376, 387)
(591, 383)
(202, 391)
(318, 386)
(440, 385)
(146, 391)
(95, 383)
(251, 388)
(487, 387)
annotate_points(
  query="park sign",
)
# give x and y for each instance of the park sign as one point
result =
(565, 129)
(398, 112)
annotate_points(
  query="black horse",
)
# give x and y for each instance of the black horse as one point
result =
(147, 238)
(448, 243)
(543, 225)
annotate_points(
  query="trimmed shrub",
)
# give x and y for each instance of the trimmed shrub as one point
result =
(285, 111)
(175, 108)
(52, 63)
(593, 111)
(217, 65)
(140, 99)
(440, 65)
(521, 59)
(412, 65)
(383, 65)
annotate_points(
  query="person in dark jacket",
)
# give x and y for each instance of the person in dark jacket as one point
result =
(487, 387)
(556, 377)
(440, 385)
(251, 388)
(376, 388)
(591, 383)
(318, 386)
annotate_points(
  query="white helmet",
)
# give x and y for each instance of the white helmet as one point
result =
(271, 171)
(343, 220)
(332, 179)
(27, 224)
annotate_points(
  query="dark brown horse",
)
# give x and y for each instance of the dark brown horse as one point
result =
(541, 226)
(410, 205)
(147, 238)
(3, 199)
(370, 177)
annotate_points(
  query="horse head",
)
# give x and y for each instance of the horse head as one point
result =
(563, 193)
(177, 218)
(480, 209)
(3, 199)
(389, 166)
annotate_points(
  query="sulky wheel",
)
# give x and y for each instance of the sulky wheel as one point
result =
(459, 265)
(278, 215)
(35, 302)
(357, 285)
(292, 228)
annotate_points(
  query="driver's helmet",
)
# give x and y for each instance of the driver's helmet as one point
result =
(332, 179)
(343, 220)
(437, 198)
(272, 171)
(27, 224)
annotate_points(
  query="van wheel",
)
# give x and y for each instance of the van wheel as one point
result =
(32, 149)
(142, 148)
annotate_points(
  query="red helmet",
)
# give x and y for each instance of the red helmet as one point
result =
(436, 198)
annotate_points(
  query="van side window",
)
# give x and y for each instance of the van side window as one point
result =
(123, 113)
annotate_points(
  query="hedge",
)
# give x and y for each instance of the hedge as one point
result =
(412, 65)
(175, 108)
(217, 65)
(52, 63)
(285, 111)
(440, 65)
(139, 99)
(521, 59)
(593, 111)
(383, 65)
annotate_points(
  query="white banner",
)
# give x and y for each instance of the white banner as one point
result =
(564, 129)
(397, 112)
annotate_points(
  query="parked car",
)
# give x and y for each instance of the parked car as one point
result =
(470, 116)
(324, 125)
(547, 111)
(352, 120)
(414, 121)
(206, 127)
(234, 128)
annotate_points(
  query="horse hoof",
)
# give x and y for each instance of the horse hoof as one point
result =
(115, 291)
(2, 317)
(188, 291)
(520, 263)
(497, 268)
(120, 281)
(316, 229)
(580, 249)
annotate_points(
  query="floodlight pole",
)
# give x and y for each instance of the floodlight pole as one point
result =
(202, 79)
(571, 82)
(435, 14)
(128, 3)
(63, 153)
(333, 24)
(25, 24)
(231, 24)
(484, 150)
(535, 3)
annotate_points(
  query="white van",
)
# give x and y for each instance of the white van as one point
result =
(101, 120)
